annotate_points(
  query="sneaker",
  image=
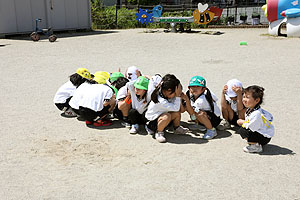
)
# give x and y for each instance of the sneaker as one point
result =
(181, 130)
(197, 127)
(148, 130)
(88, 122)
(224, 125)
(70, 113)
(102, 123)
(109, 116)
(127, 125)
(253, 148)
(210, 134)
(159, 136)
(134, 129)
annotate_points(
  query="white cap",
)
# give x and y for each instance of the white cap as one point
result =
(230, 84)
(131, 73)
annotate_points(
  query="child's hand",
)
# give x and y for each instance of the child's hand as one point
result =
(184, 96)
(237, 90)
(225, 88)
(178, 90)
(240, 122)
(129, 95)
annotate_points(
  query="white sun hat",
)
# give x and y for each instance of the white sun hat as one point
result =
(230, 84)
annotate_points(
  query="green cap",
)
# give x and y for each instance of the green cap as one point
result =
(197, 81)
(141, 83)
(114, 76)
(115, 90)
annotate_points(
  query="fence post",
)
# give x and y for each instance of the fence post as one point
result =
(116, 16)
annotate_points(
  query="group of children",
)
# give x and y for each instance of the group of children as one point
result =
(157, 103)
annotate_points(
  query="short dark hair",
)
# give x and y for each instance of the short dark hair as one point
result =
(77, 80)
(257, 92)
(120, 82)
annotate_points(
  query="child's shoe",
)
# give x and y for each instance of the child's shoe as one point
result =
(70, 113)
(88, 122)
(197, 127)
(126, 124)
(134, 129)
(159, 136)
(102, 123)
(148, 130)
(210, 134)
(224, 125)
(181, 130)
(253, 148)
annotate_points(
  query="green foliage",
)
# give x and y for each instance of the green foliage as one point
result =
(105, 18)
(144, 2)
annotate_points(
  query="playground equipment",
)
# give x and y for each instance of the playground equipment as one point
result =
(202, 15)
(35, 36)
(279, 12)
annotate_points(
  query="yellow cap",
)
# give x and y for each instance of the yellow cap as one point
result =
(100, 79)
(103, 74)
(84, 73)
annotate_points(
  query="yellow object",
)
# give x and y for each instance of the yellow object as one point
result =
(264, 8)
(203, 17)
(83, 72)
(103, 74)
(100, 79)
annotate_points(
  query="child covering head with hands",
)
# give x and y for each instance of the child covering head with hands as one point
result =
(164, 107)
(257, 128)
(231, 103)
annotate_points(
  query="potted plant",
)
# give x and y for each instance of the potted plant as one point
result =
(230, 19)
(255, 17)
(243, 17)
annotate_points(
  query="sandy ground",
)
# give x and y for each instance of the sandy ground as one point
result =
(46, 156)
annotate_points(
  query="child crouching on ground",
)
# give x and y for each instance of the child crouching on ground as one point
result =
(202, 107)
(66, 91)
(164, 107)
(94, 100)
(232, 103)
(257, 127)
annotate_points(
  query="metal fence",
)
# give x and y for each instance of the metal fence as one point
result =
(115, 17)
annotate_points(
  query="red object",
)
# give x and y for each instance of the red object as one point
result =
(88, 122)
(283, 13)
(217, 11)
(272, 10)
(103, 123)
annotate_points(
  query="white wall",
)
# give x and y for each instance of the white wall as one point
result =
(18, 16)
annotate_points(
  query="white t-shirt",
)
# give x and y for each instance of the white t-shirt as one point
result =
(202, 104)
(163, 106)
(94, 96)
(260, 121)
(122, 93)
(64, 92)
(78, 95)
(233, 104)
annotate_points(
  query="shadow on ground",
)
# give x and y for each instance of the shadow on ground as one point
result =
(60, 34)
(271, 150)
(184, 139)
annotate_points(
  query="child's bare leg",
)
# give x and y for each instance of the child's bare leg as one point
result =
(175, 117)
(202, 117)
(163, 121)
(241, 113)
(227, 112)
(112, 103)
(124, 108)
